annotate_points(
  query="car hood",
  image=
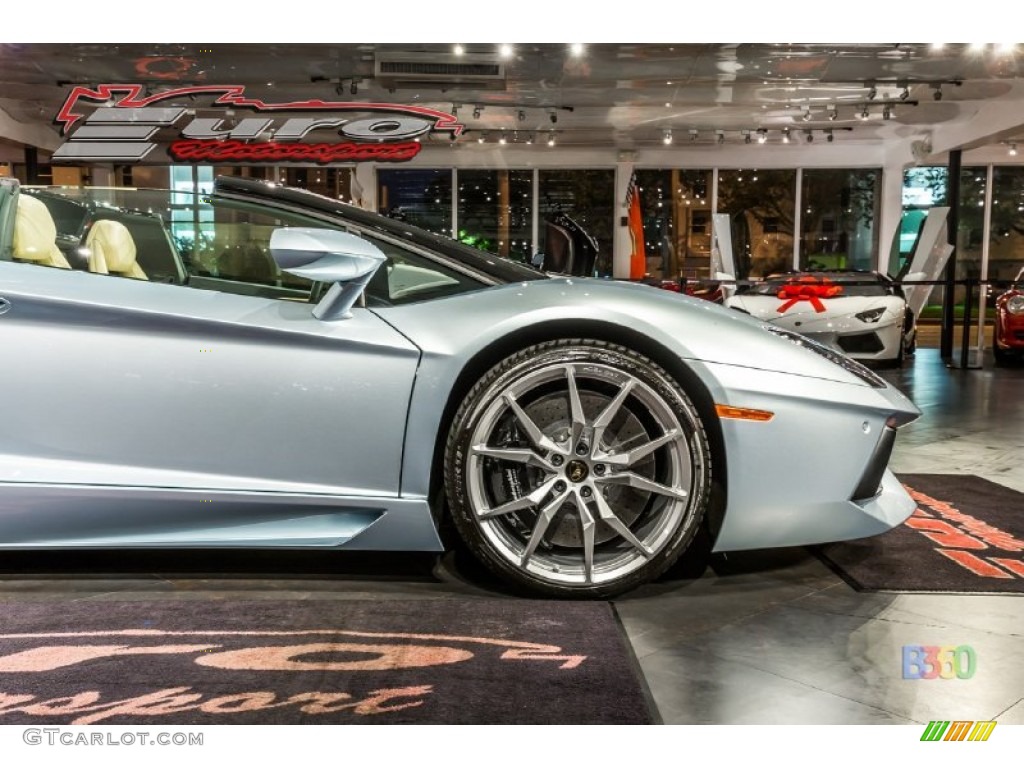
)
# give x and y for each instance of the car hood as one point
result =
(692, 328)
(768, 307)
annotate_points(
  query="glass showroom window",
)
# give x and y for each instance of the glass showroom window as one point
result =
(676, 209)
(495, 211)
(420, 196)
(762, 206)
(330, 182)
(923, 188)
(839, 218)
(587, 198)
(1006, 247)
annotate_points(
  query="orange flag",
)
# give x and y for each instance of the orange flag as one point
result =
(638, 257)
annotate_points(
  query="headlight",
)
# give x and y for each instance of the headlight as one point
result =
(871, 315)
(848, 364)
(1015, 305)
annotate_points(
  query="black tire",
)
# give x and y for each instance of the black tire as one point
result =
(560, 539)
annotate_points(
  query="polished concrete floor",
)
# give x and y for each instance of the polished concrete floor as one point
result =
(760, 637)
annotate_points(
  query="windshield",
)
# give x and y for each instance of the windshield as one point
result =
(500, 269)
(852, 283)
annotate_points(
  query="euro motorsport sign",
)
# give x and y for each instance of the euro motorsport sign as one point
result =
(122, 124)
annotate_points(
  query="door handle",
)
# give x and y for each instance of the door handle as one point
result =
(4, 305)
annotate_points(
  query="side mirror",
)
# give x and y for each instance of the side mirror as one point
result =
(329, 256)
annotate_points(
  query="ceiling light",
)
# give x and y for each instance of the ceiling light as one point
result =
(807, 115)
(354, 88)
(976, 47)
(694, 133)
(476, 112)
(666, 136)
(529, 138)
(785, 135)
(721, 137)
(480, 139)
(553, 117)
(864, 115)
(505, 51)
(833, 113)
(746, 137)
(938, 93)
(576, 49)
(521, 115)
(458, 50)
(1013, 149)
(810, 136)
(905, 93)
(872, 93)
(938, 47)
(1005, 49)
(828, 136)
(503, 139)
(762, 135)
(886, 112)
(551, 139)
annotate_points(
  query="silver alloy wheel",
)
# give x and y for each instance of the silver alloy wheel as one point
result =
(579, 473)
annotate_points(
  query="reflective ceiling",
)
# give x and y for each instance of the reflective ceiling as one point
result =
(605, 96)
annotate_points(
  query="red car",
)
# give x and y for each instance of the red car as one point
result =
(1009, 335)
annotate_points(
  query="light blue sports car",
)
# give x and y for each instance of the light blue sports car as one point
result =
(264, 367)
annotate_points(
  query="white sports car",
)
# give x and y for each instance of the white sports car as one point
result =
(864, 314)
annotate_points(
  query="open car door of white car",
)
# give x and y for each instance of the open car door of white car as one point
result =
(928, 261)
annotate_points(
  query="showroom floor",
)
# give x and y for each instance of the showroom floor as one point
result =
(761, 637)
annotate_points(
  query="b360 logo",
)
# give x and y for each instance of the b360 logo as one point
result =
(944, 662)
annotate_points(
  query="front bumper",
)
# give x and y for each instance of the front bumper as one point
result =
(817, 471)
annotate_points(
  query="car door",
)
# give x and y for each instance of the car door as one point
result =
(124, 383)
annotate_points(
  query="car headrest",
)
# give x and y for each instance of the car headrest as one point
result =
(112, 249)
(35, 234)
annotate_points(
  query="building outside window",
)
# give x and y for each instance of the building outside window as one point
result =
(838, 224)
(761, 205)
(421, 196)
(676, 210)
(587, 197)
(495, 211)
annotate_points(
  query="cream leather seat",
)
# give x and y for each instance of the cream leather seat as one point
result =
(112, 250)
(35, 234)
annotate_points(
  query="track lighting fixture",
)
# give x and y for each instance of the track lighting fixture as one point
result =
(762, 135)
(458, 50)
(553, 117)
(353, 88)
(785, 135)
(886, 112)
(905, 93)
(505, 50)
(503, 139)
(521, 115)
(828, 136)
(746, 137)
(551, 139)
(872, 93)
(476, 112)
(809, 135)
(864, 115)
(937, 95)
(1013, 149)
(694, 133)
(666, 136)
(833, 113)
(721, 137)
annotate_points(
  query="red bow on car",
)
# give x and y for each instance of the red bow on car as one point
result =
(808, 289)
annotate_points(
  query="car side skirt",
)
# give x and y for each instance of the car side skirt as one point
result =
(37, 516)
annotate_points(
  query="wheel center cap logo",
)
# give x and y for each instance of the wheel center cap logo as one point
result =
(577, 471)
